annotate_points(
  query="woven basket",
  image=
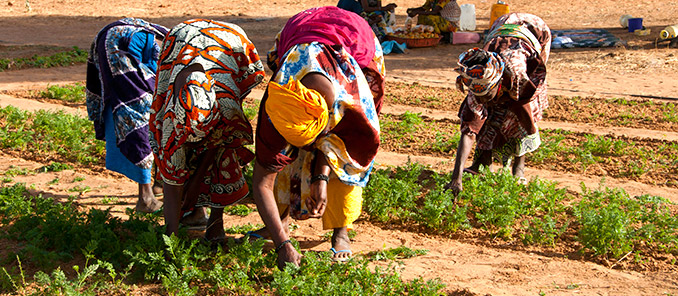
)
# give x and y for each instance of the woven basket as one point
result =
(423, 42)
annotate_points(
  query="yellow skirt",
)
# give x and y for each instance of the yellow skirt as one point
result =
(292, 188)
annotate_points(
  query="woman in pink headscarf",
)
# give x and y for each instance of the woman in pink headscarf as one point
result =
(318, 130)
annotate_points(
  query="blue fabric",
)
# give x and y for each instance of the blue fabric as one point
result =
(117, 162)
(141, 47)
(584, 38)
(391, 46)
(351, 5)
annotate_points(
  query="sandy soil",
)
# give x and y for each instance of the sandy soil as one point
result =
(641, 68)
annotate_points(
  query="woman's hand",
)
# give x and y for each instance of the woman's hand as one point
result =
(288, 254)
(318, 201)
(455, 186)
(390, 6)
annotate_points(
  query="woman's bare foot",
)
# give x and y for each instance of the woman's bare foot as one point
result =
(157, 189)
(196, 218)
(341, 245)
(147, 203)
(214, 231)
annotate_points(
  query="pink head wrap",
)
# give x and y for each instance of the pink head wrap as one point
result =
(329, 25)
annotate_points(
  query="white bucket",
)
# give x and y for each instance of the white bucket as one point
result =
(467, 20)
(669, 32)
(624, 20)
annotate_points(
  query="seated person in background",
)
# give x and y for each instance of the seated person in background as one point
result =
(506, 83)
(206, 70)
(120, 83)
(379, 17)
(442, 15)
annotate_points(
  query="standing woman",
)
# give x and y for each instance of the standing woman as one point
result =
(120, 83)
(199, 129)
(318, 131)
(506, 83)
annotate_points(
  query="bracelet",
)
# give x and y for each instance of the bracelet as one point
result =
(319, 177)
(281, 245)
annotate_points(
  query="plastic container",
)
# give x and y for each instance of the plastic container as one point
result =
(624, 20)
(498, 9)
(669, 32)
(465, 37)
(635, 23)
(467, 20)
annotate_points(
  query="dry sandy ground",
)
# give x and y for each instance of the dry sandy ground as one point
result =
(640, 68)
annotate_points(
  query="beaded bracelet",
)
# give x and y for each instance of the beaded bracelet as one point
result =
(319, 177)
(281, 245)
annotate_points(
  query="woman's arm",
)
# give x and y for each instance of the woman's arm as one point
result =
(316, 204)
(263, 181)
(463, 150)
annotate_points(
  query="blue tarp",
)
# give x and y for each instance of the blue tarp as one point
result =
(583, 38)
(391, 46)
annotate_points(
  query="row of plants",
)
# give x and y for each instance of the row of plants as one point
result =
(67, 93)
(640, 113)
(60, 59)
(602, 222)
(121, 255)
(50, 135)
(616, 156)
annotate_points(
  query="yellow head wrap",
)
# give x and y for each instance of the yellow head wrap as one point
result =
(299, 114)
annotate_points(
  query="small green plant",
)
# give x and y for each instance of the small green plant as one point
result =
(14, 171)
(242, 229)
(54, 181)
(80, 189)
(50, 134)
(251, 110)
(110, 200)
(54, 167)
(66, 58)
(78, 179)
(68, 93)
(398, 253)
(238, 210)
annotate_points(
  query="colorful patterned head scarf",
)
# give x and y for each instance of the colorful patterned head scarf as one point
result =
(328, 25)
(299, 114)
(480, 79)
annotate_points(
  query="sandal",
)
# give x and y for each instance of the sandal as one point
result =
(470, 171)
(252, 236)
(342, 259)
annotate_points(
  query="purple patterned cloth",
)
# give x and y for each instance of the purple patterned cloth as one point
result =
(116, 78)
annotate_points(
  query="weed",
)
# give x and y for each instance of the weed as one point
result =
(47, 132)
(78, 179)
(242, 229)
(80, 189)
(251, 110)
(54, 167)
(66, 58)
(613, 223)
(398, 253)
(14, 171)
(69, 93)
(54, 181)
(110, 200)
(239, 210)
